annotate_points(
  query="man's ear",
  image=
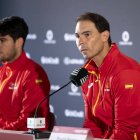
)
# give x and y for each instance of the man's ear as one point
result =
(19, 42)
(105, 35)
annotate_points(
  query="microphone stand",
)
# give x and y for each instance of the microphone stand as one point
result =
(35, 116)
(38, 133)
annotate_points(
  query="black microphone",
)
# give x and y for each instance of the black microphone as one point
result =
(77, 77)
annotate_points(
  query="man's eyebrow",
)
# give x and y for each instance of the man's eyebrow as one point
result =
(85, 32)
(1, 37)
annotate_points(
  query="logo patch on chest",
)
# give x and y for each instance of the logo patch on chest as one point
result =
(128, 86)
(13, 86)
(90, 85)
(107, 87)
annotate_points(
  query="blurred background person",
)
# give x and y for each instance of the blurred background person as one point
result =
(23, 83)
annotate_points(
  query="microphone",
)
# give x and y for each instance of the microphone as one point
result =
(77, 77)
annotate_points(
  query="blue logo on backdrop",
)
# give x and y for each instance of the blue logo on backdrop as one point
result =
(69, 37)
(125, 39)
(49, 38)
(74, 91)
(31, 36)
(73, 61)
(55, 87)
(73, 113)
(50, 60)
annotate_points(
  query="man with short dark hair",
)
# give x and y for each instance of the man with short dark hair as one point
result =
(23, 83)
(112, 91)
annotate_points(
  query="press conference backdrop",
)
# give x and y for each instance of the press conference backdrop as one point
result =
(51, 42)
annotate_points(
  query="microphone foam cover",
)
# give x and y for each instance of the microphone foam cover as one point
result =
(79, 76)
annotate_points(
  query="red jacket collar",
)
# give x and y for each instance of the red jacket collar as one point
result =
(91, 66)
(18, 62)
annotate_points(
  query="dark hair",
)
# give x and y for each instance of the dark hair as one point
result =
(14, 26)
(100, 22)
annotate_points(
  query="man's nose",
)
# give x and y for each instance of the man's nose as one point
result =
(81, 40)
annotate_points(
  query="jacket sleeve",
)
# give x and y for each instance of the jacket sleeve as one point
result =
(35, 86)
(126, 92)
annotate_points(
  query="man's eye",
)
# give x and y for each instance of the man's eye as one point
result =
(76, 35)
(87, 34)
(1, 40)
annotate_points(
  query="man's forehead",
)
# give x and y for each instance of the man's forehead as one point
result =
(85, 29)
(87, 25)
(1, 36)
(4, 36)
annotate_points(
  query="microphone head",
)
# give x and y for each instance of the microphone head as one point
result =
(79, 76)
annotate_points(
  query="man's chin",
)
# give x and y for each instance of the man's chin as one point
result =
(2, 60)
(86, 57)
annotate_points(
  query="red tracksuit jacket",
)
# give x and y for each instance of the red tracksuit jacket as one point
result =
(112, 97)
(23, 84)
